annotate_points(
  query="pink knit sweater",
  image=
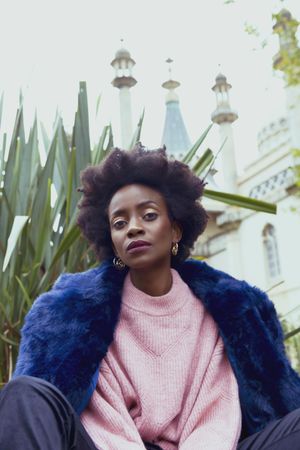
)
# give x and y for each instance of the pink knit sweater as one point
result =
(165, 379)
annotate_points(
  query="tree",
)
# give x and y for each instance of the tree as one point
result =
(287, 60)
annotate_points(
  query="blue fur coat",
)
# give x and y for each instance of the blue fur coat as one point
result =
(68, 331)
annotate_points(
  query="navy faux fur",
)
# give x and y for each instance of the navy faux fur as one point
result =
(68, 331)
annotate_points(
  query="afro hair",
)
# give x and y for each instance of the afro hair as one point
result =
(179, 186)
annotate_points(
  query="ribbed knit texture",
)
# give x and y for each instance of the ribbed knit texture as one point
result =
(165, 379)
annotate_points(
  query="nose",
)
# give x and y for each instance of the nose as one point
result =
(134, 228)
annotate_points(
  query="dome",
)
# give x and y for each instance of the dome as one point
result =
(221, 78)
(221, 82)
(123, 53)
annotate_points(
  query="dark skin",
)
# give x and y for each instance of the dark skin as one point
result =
(139, 213)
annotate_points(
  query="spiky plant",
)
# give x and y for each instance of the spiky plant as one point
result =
(39, 238)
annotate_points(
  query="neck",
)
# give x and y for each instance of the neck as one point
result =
(154, 282)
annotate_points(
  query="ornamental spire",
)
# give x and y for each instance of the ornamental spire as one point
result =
(123, 65)
(175, 136)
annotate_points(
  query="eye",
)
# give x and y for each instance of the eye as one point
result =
(150, 216)
(119, 224)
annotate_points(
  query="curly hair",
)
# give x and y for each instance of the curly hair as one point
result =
(179, 186)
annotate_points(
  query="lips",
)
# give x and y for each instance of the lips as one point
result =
(135, 244)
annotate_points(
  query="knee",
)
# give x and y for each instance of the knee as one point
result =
(25, 389)
(24, 385)
(21, 384)
(16, 392)
(294, 415)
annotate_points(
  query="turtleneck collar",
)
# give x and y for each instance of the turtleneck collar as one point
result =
(159, 305)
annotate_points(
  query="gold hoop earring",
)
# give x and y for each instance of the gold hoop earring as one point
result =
(118, 263)
(175, 249)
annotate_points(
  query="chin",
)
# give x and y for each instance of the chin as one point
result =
(146, 264)
(138, 265)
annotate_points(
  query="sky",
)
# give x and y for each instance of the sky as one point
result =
(49, 46)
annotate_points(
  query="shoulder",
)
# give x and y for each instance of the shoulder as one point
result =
(235, 305)
(79, 279)
(221, 291)
(70, 293)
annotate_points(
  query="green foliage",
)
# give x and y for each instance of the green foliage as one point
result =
(296, 167)
(38, 235)
(39, 238)
(292, 343)
(288, 58)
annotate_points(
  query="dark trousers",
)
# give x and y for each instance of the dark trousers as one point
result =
(34, 415)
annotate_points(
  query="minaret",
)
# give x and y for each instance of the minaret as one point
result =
(287, 60)
(123, 64)
(225, 116)
(175, 136)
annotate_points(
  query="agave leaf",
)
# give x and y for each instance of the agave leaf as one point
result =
(203, 162)
(137, 134)
(58, 207)
(110, 142)
(43, 229)
(188, 157)
(214, 159)
(98, 104)
(45, 137)
(9, 341)
(13, 193)
(9, 190)
(2, 154)
(16, 230)
(62, 159)
(17, 141)
(81, 137)
(1, 108)
(66, 243)
(26, 297)
(70, 190)
(240, 200)
(25, 175)
(292, 333)
(41, 193)
(5, 304)
(99, 152)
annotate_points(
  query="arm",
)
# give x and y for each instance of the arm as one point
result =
(107, 419)
(215, 420)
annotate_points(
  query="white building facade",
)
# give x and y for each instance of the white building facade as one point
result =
(261, 248)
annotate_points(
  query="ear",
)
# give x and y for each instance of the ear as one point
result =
(176, 232)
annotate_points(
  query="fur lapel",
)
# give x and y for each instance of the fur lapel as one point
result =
(69, 329)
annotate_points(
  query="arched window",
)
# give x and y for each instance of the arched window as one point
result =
(271, 251)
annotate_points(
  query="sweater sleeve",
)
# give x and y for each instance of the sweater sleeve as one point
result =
(215, 421)
(113, 429)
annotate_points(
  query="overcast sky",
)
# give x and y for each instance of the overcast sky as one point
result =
(49, 46)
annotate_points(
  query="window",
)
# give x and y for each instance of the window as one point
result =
(271, 251)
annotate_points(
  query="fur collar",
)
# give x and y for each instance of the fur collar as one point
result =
(69, 329)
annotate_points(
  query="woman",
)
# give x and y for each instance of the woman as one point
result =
(150, 349)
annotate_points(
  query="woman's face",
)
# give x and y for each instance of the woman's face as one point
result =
(141, 230)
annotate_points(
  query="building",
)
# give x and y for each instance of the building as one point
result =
(261, 248)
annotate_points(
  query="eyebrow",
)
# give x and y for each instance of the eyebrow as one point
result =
(120, 211)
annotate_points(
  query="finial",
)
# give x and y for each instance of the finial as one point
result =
(169, 61)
